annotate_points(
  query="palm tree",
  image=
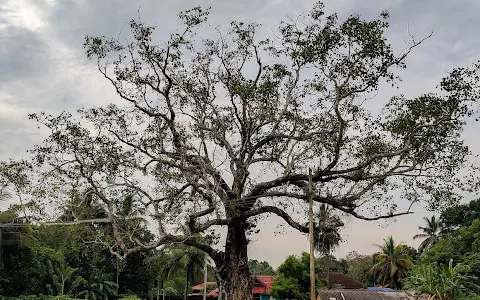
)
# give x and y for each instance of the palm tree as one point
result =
(391, 263)
(185, 259)
(327, 236)
(431, 233)
(327, 233)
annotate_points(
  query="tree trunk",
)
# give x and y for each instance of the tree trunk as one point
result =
(234, 270)
(185, 292)
(1, 248)
(118, 273)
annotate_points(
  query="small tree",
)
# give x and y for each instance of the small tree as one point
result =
(293, 281)
(218, 132)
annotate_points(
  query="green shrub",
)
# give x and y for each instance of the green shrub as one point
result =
(39, 297)
(130, 297)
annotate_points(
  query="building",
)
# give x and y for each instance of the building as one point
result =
(197, 290)
(262, 286)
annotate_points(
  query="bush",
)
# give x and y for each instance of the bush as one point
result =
(38, 297)
(129, 297)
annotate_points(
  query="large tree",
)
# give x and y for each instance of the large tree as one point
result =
(359, 267)
(215, 133)
(456, 216)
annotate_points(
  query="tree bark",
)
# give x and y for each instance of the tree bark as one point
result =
(234, 270)
(1, 248)
(187, 276)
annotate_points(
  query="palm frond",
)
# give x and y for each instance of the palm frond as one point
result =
(420, 236)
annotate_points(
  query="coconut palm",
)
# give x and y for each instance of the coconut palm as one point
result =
(185, 259)
(327, 236)
(431, 233)
(391, 263)
(327, 233)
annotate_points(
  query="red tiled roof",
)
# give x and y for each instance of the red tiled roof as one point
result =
(341, 280)
(266, 281)
(265, 289)
(213, 293)
(200, 286)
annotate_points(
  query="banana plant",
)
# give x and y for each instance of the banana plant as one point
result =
(99, 291)
(442, 283)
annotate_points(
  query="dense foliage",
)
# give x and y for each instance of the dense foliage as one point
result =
(462, 246)
(69, 260)
(359, 267)
(293, 281)
(450, 268)
(260, 268)
(460, 215)
(65, 260)
(443, 282)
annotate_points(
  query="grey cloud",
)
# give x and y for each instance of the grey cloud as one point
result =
(15, 135)
(24, 55)
(454, 24)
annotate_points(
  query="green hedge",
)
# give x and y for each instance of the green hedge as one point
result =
(38, 297)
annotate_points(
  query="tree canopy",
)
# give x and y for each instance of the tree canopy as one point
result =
(211, 133)
(260, 268)
(460, 215)
(463, 246)
(359, 267)
(293, 281)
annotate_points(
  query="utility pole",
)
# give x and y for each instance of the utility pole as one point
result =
(311, 235)
(205, 280)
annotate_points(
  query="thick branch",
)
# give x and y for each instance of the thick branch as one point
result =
(282, 214)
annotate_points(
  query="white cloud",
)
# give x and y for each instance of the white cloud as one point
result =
(24, 13)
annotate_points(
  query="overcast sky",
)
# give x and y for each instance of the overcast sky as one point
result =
(43, 68)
